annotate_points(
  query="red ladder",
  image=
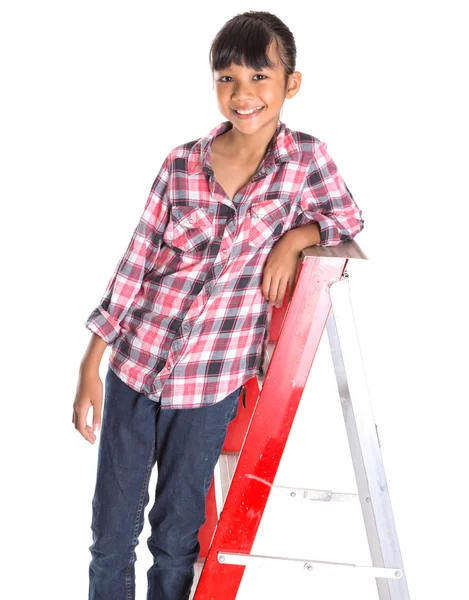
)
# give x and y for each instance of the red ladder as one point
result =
(256, 439)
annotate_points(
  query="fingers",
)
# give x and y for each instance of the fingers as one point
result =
(291, 287)
(265, 287)
(282, 286)
(79, 417)
(89, 393)
(96, 416)
(82, 426)
(269, 288)
(274, 289)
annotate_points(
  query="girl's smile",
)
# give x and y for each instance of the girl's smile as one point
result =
(250, 115)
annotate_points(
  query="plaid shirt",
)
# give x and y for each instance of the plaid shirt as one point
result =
(184, 311)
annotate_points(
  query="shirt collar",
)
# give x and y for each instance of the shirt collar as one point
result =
(282, 147)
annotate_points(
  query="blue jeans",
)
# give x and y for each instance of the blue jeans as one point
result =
(186, 444)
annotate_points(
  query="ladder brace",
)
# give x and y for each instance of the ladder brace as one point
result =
(299, 564)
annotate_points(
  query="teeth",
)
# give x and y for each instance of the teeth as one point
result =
(249, 112)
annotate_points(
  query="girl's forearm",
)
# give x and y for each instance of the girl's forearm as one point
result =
(304, 236)
(94, 353)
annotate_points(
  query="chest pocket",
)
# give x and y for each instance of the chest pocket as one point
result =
(266, 222)
(190, 228)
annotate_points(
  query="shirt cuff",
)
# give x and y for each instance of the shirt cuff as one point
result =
(103, 324)
(330, 234)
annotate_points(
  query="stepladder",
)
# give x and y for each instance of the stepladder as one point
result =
(244, 476)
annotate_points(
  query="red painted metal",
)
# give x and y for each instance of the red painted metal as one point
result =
(233, 443)
(297, 332)
(238, 427)
(211, 519)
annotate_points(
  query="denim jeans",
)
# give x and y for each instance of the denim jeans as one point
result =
(186, 443)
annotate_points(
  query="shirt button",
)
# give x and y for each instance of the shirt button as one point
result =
(168, 367)
(191, 220)
(224, 251)
(186, 326)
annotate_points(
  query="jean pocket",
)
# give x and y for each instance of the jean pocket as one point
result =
(189, 229)
(266, 222)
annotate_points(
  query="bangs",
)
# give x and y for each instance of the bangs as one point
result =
(243, 43)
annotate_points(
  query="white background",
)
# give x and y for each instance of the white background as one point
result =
(94, 95)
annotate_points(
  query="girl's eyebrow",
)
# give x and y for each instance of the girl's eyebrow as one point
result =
(261, 69)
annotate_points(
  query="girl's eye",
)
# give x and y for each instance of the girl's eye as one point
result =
(258, 75)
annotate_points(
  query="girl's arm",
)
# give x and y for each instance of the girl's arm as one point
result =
(93, 354)
(138, 260)
(304, 236)
(327, 201)
(89, 391)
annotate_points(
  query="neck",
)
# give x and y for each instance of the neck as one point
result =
(244, 145)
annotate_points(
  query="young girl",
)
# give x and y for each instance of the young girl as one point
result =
(186, 311)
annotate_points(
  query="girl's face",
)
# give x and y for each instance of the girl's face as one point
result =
(239, 87)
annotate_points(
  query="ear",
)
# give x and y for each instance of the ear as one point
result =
(294, 84)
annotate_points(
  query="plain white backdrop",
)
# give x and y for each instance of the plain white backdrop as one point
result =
(94, 96)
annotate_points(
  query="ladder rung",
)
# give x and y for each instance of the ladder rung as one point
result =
(306, 565)
(309, 494)
(227, 466)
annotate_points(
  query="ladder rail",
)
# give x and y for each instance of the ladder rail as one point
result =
(363, 441)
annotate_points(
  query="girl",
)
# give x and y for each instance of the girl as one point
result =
(186, 310)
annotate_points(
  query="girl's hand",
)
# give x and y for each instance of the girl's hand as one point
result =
(89, 393)
(280, 270)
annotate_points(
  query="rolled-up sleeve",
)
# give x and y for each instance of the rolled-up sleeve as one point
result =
(139, 258)
(326, 199)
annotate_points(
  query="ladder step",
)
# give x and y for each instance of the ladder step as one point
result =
(299, 564)
(311, 494)
(227, 466)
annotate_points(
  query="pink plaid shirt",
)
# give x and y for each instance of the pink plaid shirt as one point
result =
(184, 311)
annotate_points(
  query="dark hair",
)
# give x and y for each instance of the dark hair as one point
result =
(245, 38)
